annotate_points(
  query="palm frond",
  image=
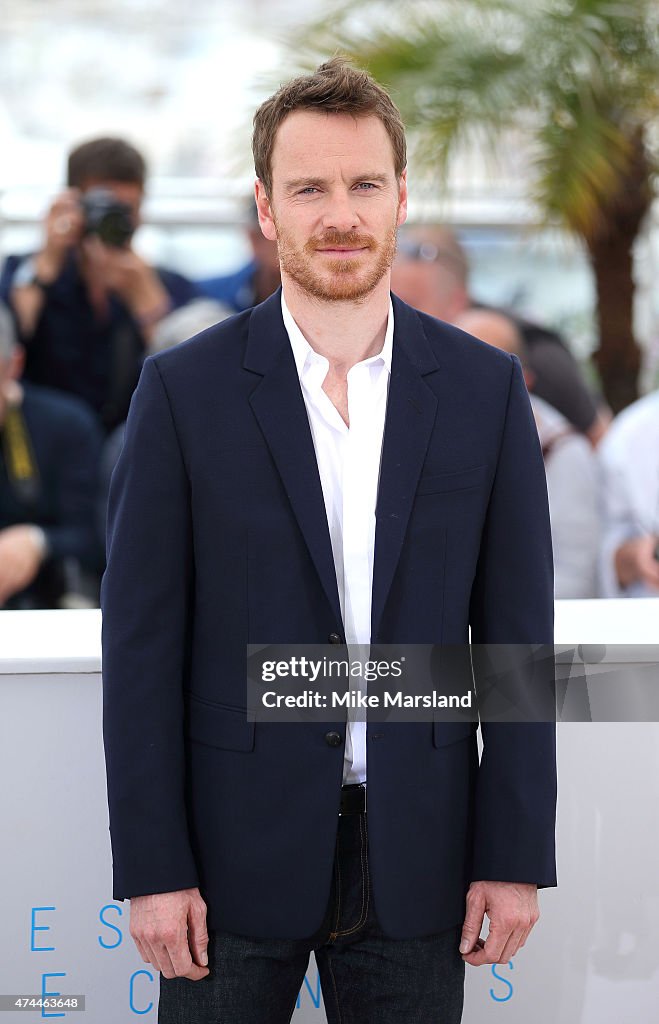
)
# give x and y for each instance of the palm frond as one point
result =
(582, 157)
(576, 76)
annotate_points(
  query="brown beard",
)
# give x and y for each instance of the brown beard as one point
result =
(339, 283)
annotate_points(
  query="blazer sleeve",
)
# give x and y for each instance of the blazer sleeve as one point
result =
(512, 603)
(145, 600)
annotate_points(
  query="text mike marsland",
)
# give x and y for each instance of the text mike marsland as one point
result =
(357, 699)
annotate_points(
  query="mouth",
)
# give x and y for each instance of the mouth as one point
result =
(336, 250)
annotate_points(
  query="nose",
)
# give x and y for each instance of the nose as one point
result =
(341, 212)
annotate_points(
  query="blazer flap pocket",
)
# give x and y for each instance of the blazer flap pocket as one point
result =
(457, 481)
(218, 726)
(446, 733)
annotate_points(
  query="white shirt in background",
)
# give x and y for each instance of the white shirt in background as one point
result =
(629, 460)
(574, 503)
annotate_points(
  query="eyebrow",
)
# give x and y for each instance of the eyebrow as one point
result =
(290, 186)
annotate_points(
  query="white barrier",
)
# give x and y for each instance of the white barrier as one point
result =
(591, 960)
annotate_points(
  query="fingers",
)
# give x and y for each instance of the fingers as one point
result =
(141, 949)
(490, 951)
(163, 927)
(474, 953)
(116, 269)
(511, 946)
(94, 249)
(164, 961)
(196, 973)
(65, 220)
(174, 960)
(103, 263)
(180, 961)
(198, 933)
(504, 940)
(473, 921)
(533, 920)
(149, 954)
(512, 908)
(476, 958)
(170, 955)
(497, 949)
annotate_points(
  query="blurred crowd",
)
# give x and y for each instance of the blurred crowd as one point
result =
(78, 317)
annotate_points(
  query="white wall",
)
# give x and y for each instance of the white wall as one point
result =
(592, 960)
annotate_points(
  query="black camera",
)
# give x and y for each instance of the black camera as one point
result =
(113, 222)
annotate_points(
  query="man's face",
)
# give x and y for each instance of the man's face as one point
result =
(429, 287)
(335, 203)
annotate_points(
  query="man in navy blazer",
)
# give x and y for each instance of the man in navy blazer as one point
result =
(330, 466)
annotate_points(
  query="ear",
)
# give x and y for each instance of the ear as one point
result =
(402, 199)
(529, 378)
(265, 213)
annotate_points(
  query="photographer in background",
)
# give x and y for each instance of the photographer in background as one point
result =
(49, 453)
(86, 303)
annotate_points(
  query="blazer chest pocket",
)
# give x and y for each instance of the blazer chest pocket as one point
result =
(460, 480)
(217, 725)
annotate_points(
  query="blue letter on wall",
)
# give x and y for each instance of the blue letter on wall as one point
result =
(39, 928)
(108, 924)
(45, 994)
(509, 995)
(132, 980)
(315, 996)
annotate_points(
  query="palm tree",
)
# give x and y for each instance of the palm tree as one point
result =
(573, 84)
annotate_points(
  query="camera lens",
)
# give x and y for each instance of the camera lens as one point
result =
(112, 221)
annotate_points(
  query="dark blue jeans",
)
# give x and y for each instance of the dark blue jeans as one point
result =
(365, 977)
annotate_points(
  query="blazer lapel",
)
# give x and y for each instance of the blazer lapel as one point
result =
(411, 412)
(278, 405)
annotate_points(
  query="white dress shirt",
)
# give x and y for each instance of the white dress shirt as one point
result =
(349, 466)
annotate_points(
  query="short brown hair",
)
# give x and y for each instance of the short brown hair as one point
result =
(336, 87)
(105, 159)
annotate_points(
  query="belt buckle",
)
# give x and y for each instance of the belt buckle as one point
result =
(353, 799)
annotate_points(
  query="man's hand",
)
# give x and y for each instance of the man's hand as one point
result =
(63, 230)
(512, 908)
(169, 930)
(125, 273)
(634, 561)
(20, 558)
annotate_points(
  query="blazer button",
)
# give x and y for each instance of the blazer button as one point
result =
(335, 638)
(333, 739)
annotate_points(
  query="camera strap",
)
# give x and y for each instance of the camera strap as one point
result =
(22, 469)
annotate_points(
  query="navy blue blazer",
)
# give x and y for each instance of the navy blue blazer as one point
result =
(217, 536)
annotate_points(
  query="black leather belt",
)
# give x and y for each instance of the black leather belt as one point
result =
(353, 799)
